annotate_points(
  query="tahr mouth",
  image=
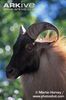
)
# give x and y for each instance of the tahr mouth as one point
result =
(11, 75)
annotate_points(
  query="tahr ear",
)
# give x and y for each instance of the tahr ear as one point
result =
(22, 30)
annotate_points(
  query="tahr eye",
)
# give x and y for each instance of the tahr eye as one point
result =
(29, 47)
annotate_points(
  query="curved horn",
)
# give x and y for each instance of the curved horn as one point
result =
(35, 29)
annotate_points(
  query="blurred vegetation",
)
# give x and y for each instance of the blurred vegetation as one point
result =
(10, 90)
(10, 21)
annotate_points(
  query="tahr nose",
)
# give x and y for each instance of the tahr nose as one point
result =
(10, 70)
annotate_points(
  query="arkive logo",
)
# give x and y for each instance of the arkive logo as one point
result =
(19, 5)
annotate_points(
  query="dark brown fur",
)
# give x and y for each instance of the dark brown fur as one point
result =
(51, 75)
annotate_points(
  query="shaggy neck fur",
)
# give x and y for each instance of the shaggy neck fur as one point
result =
(51, 75)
